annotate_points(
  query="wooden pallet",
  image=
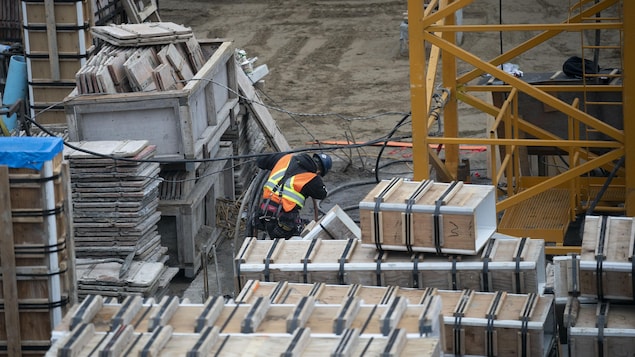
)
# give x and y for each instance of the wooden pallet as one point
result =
(604, 269)
(428, 216)
(507, 264)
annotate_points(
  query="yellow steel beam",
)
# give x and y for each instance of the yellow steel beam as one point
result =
(557, 180)
(547, 88)
(451, 109)
(443, 12)
(537, 40)
(418, 92)
(563, 27)
(525, 87)
(525, 142)
(628, 97)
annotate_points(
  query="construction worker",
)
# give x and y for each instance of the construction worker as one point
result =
(293, 178)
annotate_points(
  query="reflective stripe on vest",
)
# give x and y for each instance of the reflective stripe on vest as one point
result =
(290, 197)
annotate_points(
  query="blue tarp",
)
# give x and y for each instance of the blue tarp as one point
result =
(28, 152)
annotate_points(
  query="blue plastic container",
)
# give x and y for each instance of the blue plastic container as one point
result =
(15, 87)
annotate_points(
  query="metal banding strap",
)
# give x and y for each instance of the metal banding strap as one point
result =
(201, 320)
(327, 231)
(128, 351)
(340, 274)
(249, 318)
(370, 340)
(437, 218)
(368, 319)
(38, 213)
(305, 261)
(286, 296)
(276, 291)
(143, 316)
(600, 325)
(486, 259)
(68, 347)
(199, 343)
(491, 316)
(574, 274)
(222, 345)
(599, 260)
(353, 290)
(458, 315)
(388, 294)
(526, 315)
(315, 289)
(376, 220)
(113, 340)
(78, 316)
(408, 212)
(268, 258)
(517, 260)
(454, 273)
(415, 272)
(422, 327)
(42, 249)
(378, 268)
(156, 320)
(229, 318)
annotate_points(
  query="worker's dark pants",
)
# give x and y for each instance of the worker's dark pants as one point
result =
(286, 226)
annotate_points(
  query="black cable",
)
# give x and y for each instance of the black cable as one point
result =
(392, 132)
(605, 186)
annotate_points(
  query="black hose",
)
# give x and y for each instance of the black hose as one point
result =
(383, 147)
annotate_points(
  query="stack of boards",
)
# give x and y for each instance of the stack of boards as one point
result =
(144, 57)
(115, 219)
(115, 201)
(597, 288)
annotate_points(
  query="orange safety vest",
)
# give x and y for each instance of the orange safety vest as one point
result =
(288, 195)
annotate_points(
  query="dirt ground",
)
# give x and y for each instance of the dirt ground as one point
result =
(336, 71)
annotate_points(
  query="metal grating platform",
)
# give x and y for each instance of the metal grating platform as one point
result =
(545, 216)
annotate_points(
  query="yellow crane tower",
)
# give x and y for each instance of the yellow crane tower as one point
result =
(586, 124)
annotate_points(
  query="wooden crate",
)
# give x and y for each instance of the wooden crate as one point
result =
(38, 281)
(507, 264)
(188, 225)
(600, 329)
(506, 324)
(72, 41)
(428, 216)
(40, 68)
(604, 268)
(181, 123)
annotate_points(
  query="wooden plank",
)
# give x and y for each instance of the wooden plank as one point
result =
(7, 255)
(51, 32)
(269, 127)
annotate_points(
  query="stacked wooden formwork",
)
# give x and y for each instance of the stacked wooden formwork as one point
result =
(187, 126)
(595, 289)
(423, 235)
(37, 255)
(259, 327)
(57, 42)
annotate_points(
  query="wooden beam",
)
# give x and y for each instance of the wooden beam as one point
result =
(7, 255)
(51, 33)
